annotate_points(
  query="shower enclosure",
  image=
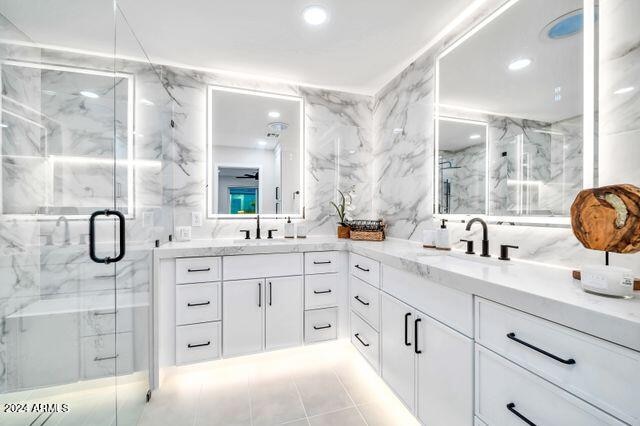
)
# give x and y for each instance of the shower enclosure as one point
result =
(82, 139)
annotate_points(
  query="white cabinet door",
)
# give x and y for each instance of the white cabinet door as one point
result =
(397, 348)
(444, 375)
(243, 316)
(284, 311)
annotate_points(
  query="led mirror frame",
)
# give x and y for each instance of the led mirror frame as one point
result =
(131, 162)
(209, 163)
(588, 125)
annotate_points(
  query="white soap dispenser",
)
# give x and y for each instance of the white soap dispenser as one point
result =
(443, 239)
(429, 235)
(289, 229)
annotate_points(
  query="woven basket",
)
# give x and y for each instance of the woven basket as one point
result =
(367, 230)
(367, 235)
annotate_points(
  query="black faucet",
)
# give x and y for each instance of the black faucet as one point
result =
(258, 237)
(485, 235)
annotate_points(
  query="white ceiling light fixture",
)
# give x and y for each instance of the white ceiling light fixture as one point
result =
(4, 126)
(274, 114)
(519, 64)
(262, 143)
(88, 94)
(474, 136)
(315, 15)
(624, 90)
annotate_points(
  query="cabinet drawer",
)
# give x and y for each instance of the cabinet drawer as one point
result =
(320, 324)
(197, 303)
(262, 265)
(449, 306)
(364, 268)
(365, 300)
(321, 262)
(197, 342)
(599, 370)
(103, 321)
(366, 340)
(504, 389)
(320, 291)
(197, 270)
(106, 355)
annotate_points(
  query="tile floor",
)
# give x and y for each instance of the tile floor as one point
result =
(323, 384)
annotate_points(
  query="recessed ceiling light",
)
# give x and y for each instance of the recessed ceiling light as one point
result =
(146, 102)
(315, 15)
(475, 136)
(274, 114)
(519, 64)
(4, 126)
(624, 90)
(262, 143)
(88, 94)
(352, 151)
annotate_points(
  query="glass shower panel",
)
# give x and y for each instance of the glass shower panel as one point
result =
(59, 119)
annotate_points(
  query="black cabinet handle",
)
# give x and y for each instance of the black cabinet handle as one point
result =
(270, 294)
(406, 329)
(199, 270)
(208, 302)
(259, 295)
(415, 335)
(321, 291)
(325, 262)
(98, 314)
(322, 327)
(198, 345)
(361, 268)
(569, 361)
(357, 336)
(512, 407)
(361, 301)
(92, 236)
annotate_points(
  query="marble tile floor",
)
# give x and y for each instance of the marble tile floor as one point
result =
(321, 384)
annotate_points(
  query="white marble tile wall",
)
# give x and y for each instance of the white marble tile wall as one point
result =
(467, 178)
(403, 163)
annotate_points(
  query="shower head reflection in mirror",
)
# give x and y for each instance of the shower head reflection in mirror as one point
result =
(530, 90)
(255, 157)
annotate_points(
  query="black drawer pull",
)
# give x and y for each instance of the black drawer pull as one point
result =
(362, 301)
(569, 361)
(198, 345)
(199, 270)
(357, 336)
(324, 262)
(105, 358)
(512, 407)
(322, 327)
(361, 268)
(199, 304)
(321, 291)
(406, 331)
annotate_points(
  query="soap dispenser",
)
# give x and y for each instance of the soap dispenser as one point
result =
(289, 229)
(443, 238)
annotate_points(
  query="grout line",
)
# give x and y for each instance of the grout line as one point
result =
(306, 415)
(350, 397)
(250, 404)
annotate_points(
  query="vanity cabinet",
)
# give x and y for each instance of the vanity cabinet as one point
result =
(261, 314)
(322, 289)
(427, 364)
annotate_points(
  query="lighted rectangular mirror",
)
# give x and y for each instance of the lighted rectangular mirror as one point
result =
(519, 78)
(58, 151)
(256, 154)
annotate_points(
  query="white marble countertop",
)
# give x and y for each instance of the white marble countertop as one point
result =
(543, 290)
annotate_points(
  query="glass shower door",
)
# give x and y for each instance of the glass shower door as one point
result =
(60, 347)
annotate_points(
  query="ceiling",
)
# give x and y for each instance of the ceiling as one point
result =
(362, 46)
(476, 75)
(240, 120)
(455, 135)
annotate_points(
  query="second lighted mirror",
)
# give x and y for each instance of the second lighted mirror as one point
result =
(255, 154)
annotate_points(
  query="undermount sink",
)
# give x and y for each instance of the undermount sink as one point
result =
(461, 258)
(263, 241)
